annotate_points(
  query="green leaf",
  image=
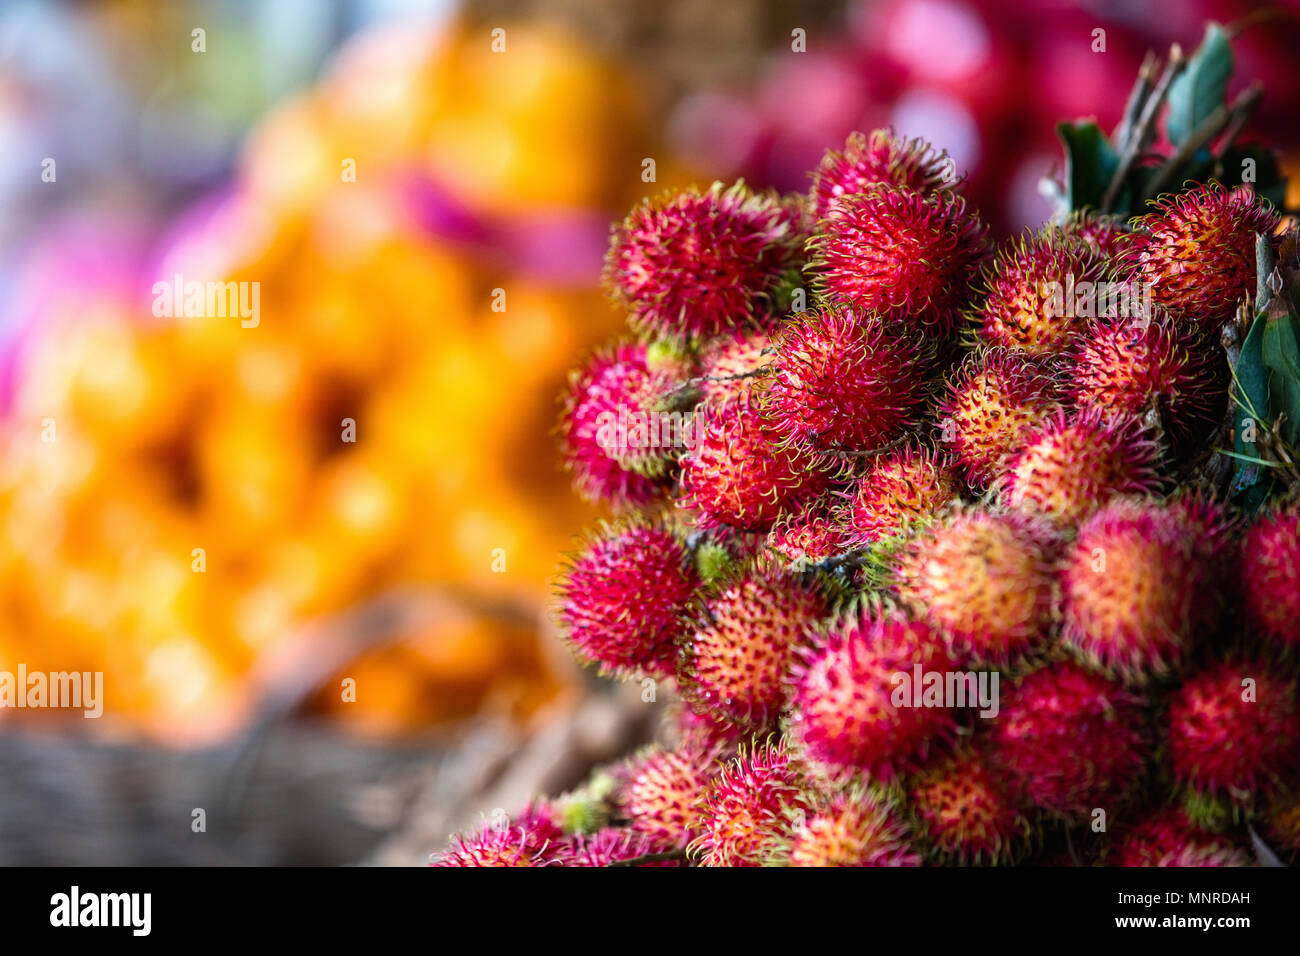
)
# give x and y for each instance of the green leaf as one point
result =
(1280, 351)
(1250, 393)
(1090, 162)
(1202, 87)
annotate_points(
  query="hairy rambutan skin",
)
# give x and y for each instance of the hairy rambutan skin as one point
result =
(1017, 307)
(811, 533)
(692, 264)
(614, 380)
(747, 808)
(1196, 250)
(1235, 739)
(611, 845)
(906, 256)
(966, 813)
(845, 381)
(987, 581)
(734, 364)
(1129, 365)
(852, 712)
(900, 489)
(993, 404)
(1138, 590)
(741, 475)
(1167, 838)
(735, 662)
(533, 839)
(1102, 233)
(877, 157)
(1270, 576)
(854, 828)
(622, 600)
(1069, 740)
(1073, 466)
(661, 791)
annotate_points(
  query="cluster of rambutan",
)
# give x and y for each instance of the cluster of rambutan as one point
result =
(907, 523)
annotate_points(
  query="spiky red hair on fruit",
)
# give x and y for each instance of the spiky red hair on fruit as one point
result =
(693, 264)
(900, 254)
(900, 490)
(878, 157)
(622, 599)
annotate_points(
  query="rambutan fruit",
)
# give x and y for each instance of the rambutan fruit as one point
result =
(877, 157)
(692, 264)
(1030, 292)
(611, 845)
(732, 365)
(855, 707)
(1234, 730)
(1137, 592)
(809, 534)
(747, 808)
(900, 488)
(906, 256)
(1069, 740)
(734, 664)
(1196, 251)
(1270, 576)
(534, 839)
(966, 814)
(612, 386)
(854, 828)
(1103, 233)
(740, 474)
(661, 789)
(1168, 838)
(987, 581)
(843, 381)
(994, 403)
(1073, 466)
(1127, 366)
(622, 599)
(704, 732)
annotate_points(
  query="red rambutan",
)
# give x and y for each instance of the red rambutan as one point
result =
(533, 839)
(1102, 233)
(900, 488)
(661, 791)
(842, 381)
(987, 581)
(1069, 740)
(1032, 290)
(877, 157)
(855, 707)
(747, 808)
(855, 828)
(614, 383)
(622, 599)
(734, 364)
(1128, 366)
(811, 533)
(966, 813)
(1270, 576)
(1234, 730)
(1137, 591)
(690, 265)
(906, 256)
(740, 474)
(1196, 251)
(994, 404)
(1071, 467)
(1167, 838)
(611, 845)
(735, 662)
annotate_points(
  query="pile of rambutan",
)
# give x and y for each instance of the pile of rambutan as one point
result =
(949, 551)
